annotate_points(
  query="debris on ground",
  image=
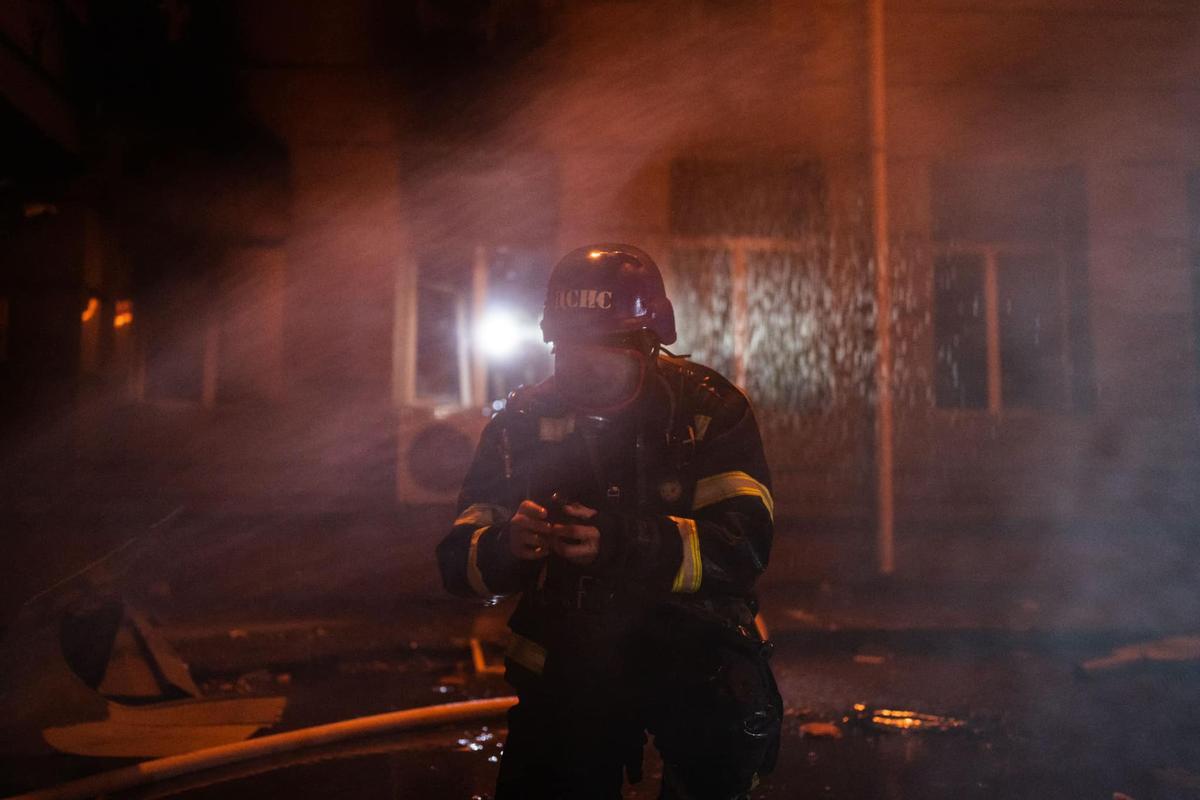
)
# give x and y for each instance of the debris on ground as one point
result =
(821, 730)
(454, 681)
(259, 681)
(868, 658)
(167, 729)
(871, 654)
(97, 678)
(806, 618)
(375, 666)
(1171, 648)
(889, 719)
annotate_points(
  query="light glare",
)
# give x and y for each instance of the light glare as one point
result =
(499, 334)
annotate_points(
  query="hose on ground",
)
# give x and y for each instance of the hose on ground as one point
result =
(161, 769)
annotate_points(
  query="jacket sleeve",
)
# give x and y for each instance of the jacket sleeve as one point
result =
(474, 557)
(723, 544)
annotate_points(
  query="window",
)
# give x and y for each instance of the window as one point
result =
(516, 354)
(477, 334)
(1010, 290)
(960, 331)
(441, 311)
(746, 267)
(485, 224)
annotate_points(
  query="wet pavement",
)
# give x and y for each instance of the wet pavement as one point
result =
(888, 715)
(1033, 727)
(965, 691)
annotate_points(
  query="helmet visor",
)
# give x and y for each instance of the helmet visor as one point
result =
(598, 378)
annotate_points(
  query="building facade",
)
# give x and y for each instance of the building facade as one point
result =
(425, 165)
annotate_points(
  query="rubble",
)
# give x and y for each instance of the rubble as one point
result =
(1168, 649)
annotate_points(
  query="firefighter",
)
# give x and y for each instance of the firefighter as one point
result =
(628, 501)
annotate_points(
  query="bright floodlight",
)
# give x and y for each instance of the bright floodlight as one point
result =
(499, 334)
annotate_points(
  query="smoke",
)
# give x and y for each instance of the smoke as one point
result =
(1012, 138)
(267, 270)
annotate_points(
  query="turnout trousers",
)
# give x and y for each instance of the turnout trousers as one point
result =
(579, 729)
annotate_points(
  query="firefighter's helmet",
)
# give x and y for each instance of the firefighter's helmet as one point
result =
(604, 290)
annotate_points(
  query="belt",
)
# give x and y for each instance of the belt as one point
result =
(589, 595)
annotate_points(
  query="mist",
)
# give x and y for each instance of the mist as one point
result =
(310, 209)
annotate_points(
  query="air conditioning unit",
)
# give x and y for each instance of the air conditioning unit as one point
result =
(435, 448)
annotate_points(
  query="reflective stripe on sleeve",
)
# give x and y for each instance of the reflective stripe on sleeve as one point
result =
(691, 569)
(480, 514)
(528, 653)
(474, 576)
(715, 488)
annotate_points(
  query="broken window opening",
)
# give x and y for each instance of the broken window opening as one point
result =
(1010, 291)
(746, 271)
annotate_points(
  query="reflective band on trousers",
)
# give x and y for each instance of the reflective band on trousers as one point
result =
(691, 569)
(715, 488)
(528, 653)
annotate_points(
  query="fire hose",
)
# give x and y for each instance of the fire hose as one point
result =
(162, 769)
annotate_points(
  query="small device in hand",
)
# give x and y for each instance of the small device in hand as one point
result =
(556, 513)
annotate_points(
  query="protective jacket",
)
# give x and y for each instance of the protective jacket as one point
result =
(686, 517)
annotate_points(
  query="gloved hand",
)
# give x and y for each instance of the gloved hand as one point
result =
(530, 532)
(575, 540)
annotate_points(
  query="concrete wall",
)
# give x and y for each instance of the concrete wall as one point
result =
(622, 89)
(1110, 90)
(311, 77)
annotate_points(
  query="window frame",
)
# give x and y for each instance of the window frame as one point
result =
(739, 309)
(991, 253)
(462, 380)
(739, 249)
